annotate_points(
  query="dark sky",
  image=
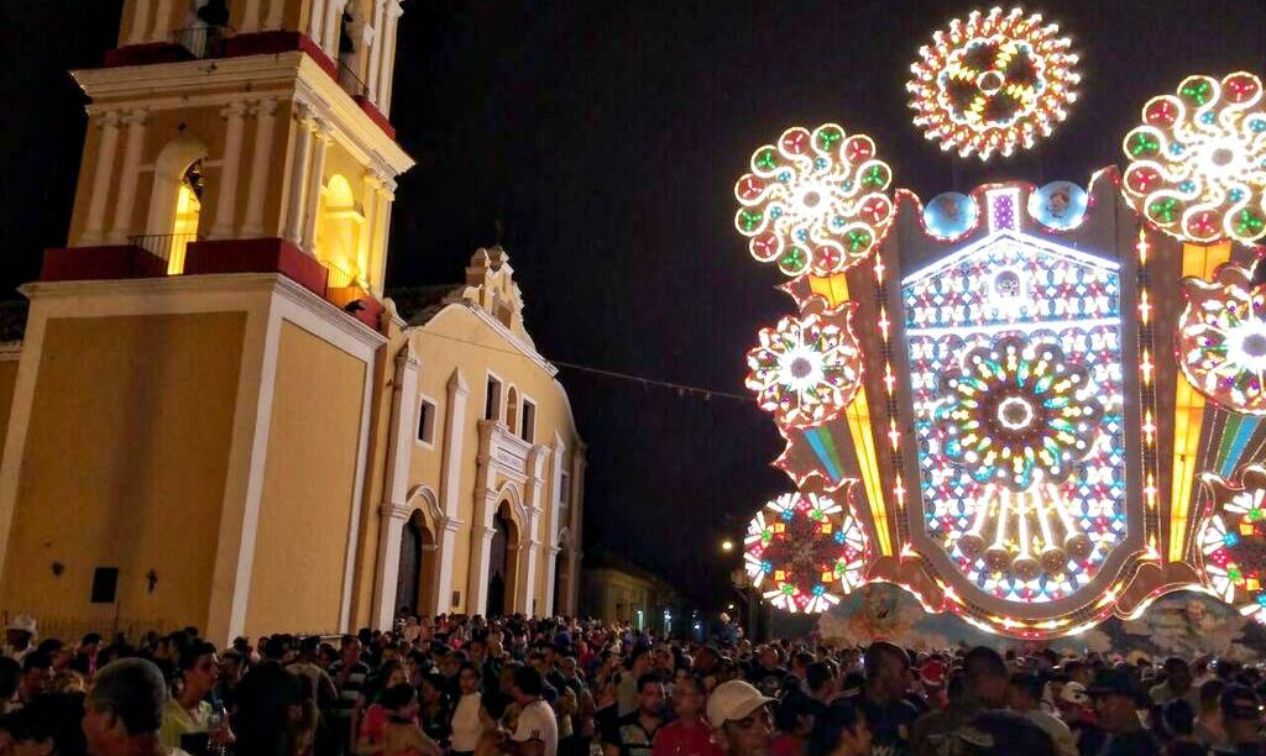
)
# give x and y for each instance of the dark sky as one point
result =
(607, 136)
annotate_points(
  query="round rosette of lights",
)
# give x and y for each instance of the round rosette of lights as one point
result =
(992, 83)
(807, 368)
(816, 201)
(1232, 541)
(1198, 161)
(1222, 339)
(804, 552)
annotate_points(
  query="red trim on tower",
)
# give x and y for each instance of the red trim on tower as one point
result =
(256, 256)
(98, 263)
(375, 115)
(146, 54)
(370, 310)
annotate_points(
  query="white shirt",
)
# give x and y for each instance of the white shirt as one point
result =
(1065, 744)
(537, 722)
(466, 724)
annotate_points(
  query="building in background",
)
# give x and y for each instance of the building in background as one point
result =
(615, 589)
(214, 415)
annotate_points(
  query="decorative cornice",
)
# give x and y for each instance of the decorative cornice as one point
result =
(10, 351)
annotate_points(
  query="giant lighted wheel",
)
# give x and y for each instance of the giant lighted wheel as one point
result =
(1222, 339)
(993, 83)
(1233, 541)
(1198, 161)
(804, 552)
(816, 201)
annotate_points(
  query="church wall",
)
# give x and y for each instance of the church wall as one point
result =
(124, 466)
(8, 379)
(297, 580)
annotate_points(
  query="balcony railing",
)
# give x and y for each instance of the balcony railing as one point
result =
(350, 82)
(204, 41)
(169, 247)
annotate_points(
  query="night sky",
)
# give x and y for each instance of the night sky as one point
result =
(605, 138)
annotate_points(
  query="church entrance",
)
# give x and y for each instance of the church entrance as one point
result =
(501, 563)
(407, 579)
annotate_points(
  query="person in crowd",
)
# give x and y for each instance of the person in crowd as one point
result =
(373, 723)
(19, 637)
(1242, 720)
(793, 719)
(1177, 684)
(349, 675)
(1118, 697)
(51, 726)
(627, 692)
(635, 731)
(536, 730)
(268, 705)
(840, 730)
(985, 687)
(401, 734)
(1209, 728)
(435, 712)
(1025, 696)
(821, 682)
(469, 721)
(124, 711)
(688, 734)
(889, 716)
(37, 675)
(740, 718)
(190, 722)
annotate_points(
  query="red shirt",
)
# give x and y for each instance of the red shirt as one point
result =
(678, 739)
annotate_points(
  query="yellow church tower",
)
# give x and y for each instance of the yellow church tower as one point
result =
(192, 408)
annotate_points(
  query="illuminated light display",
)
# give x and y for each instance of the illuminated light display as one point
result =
(804, 552)
(1232, 541)
(815, 202)
(1198, 162)
(992, 83)
(1222, 339)
(1014, 347)
(950, 215)
(1016, 412)
(806, 369)
(1059, 205)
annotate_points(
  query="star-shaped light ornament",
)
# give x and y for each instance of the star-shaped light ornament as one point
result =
(1222, 339)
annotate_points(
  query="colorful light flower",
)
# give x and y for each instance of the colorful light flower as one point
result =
(1232, 541)
(815, 201)
(992, 83)
(1016, 412)
(805, 552)
(806, 369)
(1222, 339)
(1198, 162)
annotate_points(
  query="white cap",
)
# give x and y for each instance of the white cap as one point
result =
(23, 622)
(734, 700)
(1075, 693)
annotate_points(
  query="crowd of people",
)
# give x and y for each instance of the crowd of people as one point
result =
(540, 687)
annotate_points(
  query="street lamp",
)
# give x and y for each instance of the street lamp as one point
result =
(727, 545)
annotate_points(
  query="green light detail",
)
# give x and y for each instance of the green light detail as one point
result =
(1163, 210)
(857, 240)
(828, 137)
(767, 159)
(1143, 144)
(1199, 91)
(1249, 223)
(875, 176)
(751, 219)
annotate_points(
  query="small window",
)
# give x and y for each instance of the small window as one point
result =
(105, 584)
(564, 490)
(426, 422)
(492, 403)
(529, 421)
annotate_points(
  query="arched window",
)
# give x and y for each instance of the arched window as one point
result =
(175, 203)
(338, 237)
(512, 410)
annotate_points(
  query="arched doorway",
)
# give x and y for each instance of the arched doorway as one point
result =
(501, 563)
(412, 537)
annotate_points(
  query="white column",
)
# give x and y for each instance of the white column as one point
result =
(140, 20)
(382, 232)
(276, 9)
(316, 22)
(135, 120)
(477, 585)
(265, 113)
(577, 521)
(375, 52)
(450, 487)
(365, 242)
(316, 179)
(298, 174)
(534, 492)
(395, 509)
(551, 537)
(388, 63)
(101, 177)
(333, 25)
(226, 202)
(162, 22)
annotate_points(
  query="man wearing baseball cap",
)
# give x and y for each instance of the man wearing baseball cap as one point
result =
(740, 715)
(1118, 697)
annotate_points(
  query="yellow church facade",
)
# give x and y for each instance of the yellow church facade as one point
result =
(216, 414)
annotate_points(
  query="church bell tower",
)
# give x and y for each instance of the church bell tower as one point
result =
(188, 437)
